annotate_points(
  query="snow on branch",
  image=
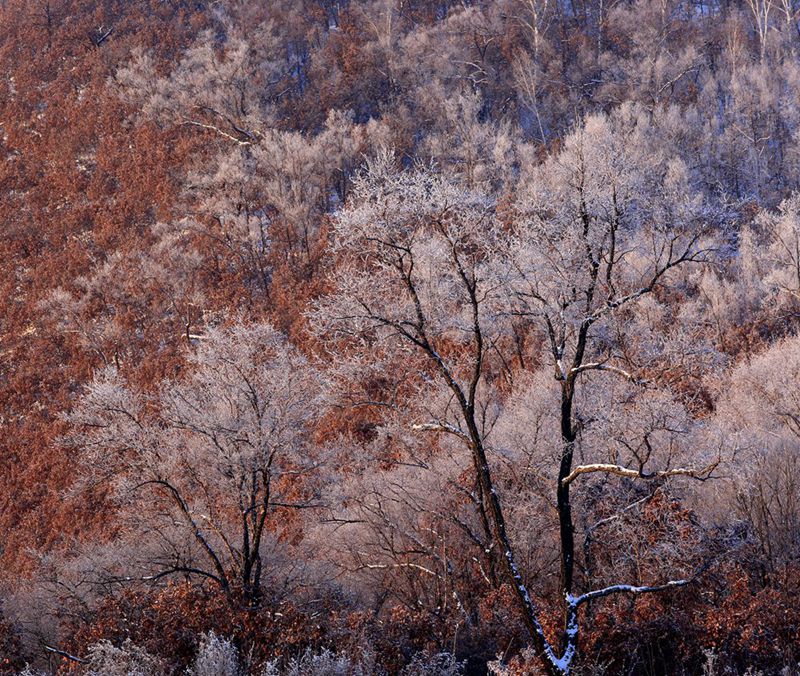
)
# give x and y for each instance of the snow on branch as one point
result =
(577, 601)
(217, 130)
(600, 366)
(437, 426)
(701, 474)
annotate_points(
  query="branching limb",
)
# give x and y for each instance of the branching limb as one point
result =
(444, 427)
(600, 366)
(577, 601)
(65, 654)
(700, 474)
(217, 130)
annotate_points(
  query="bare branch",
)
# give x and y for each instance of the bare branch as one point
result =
(624, 589)
(700, 474)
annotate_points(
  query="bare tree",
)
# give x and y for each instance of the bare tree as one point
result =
(600, 227)
(223, 91)
(760, 411)
(781, 230)
(419, 273)
(427, 265)
(760, 11)
(199, 470)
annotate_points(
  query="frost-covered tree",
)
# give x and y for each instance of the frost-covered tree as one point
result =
(760, 412)
(216, 656)
(418, 272)
(428, 266)
(127, 659)
(780, 231)
(600, 227)
(200, 469)
(265, 203)
(221, 86)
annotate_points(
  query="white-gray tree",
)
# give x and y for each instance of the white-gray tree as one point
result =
(429, 267)
(200, 469)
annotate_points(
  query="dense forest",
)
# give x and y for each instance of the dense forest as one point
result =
(382, 337)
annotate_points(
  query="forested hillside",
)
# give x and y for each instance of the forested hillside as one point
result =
(399, 337)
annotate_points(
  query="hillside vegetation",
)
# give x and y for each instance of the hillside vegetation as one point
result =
(399, 337)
